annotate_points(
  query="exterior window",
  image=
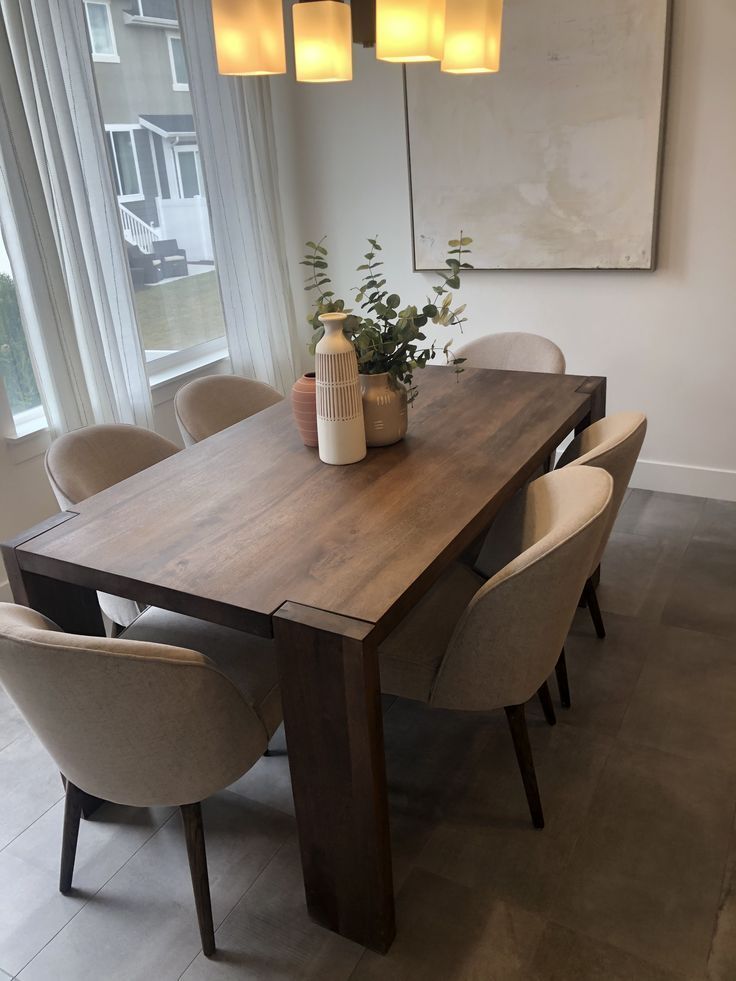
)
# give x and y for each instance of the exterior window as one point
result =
(101, 33)
(179, 72)
(126, 167)
(146, 110)
(16, 367)
(188, 165)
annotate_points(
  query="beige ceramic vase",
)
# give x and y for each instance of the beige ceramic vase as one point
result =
(304, 407)
(340, 430)
(384, 409)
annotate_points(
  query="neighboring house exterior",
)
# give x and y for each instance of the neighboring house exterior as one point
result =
(143, 89)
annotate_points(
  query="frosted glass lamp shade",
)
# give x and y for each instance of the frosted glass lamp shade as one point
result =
(409, 30)
(323, 41)
(472, 36)
(249, 37)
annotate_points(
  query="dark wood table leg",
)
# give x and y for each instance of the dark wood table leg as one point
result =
(596, 388)
(331, 696)
(73, 608)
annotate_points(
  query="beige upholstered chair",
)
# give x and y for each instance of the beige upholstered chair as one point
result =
(478, 645)
(135, 721)
(87, 461)
(514, 351)
(208, 405)
(614, 444)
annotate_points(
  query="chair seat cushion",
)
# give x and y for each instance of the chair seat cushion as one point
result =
(249, 662)
(411, 655)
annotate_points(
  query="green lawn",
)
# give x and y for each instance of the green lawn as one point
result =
(177, 315)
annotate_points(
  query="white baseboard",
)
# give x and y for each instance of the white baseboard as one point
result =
(675, 478)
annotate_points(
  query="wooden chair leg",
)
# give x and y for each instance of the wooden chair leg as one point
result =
(70, 834)
(520, 735)
(194, 833)
(591, 600)
(562, 683)
(545, 700)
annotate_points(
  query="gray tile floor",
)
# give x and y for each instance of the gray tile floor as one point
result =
(633, 879)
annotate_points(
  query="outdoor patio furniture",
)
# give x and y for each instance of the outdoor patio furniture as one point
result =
(173, 258)
(145, 269)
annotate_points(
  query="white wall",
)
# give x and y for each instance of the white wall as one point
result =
(666, 340)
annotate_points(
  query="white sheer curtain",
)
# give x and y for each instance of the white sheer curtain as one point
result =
(67, 250)
(236, 142)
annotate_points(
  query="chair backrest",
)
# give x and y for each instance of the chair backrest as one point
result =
(509, 638)
(87, 461)
(614, 444)
(131, 722)
(514, 351)
(208, 405)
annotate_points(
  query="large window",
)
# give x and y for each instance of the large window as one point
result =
(153, 145)
(179, 71)
(16, 367)
(101, 33)
(127, 171)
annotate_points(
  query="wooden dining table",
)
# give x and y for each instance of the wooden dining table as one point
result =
(249, 529)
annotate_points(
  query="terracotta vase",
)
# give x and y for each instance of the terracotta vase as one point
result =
(384, 409)
(340, 430)
(304, 407)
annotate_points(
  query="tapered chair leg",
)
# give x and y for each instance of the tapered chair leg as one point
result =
(70, 834)
(591, 599)
(194, 833)
(517, 724)
(545, 700)
(562, 683)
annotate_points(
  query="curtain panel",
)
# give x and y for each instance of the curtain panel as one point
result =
(58, 202)
(234, 125)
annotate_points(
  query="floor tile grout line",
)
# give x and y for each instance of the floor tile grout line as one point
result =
(723, 893)
(227, 916)
(96, 893)
(576, 838)
(34, 821)
(363, 955)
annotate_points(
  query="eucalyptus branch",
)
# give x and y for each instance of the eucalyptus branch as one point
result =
(387, 337)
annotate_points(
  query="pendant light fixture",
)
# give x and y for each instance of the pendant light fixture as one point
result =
(249, 37)
(323, 41)
(472, 36)
(409, 30)
(465, 35)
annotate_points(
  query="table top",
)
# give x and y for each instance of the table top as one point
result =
(250, 519)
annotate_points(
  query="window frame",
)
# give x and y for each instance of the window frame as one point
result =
(178, 151)
(113, 58)
(178, 86)
(130, 128)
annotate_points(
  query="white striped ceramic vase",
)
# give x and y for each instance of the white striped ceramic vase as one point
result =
(340, 428)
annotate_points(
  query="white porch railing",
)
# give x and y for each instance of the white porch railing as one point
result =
(137, 231)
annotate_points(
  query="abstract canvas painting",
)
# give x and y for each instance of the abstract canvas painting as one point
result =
(554, 162)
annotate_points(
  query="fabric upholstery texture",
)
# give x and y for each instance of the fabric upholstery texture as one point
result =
(613, 444)
(129, 721)
(506, 640)
(208, 405)
(87, 461)
(249, 662)
(412, 653)
(514, 351)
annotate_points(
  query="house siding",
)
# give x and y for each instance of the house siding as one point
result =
(141, 82)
